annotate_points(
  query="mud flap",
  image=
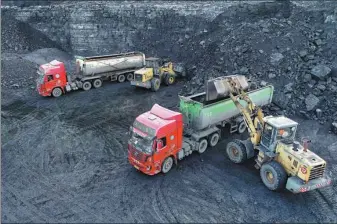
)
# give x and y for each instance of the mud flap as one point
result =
(249, 148)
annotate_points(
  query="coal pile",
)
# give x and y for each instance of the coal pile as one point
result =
(20, 37)
(291, 47)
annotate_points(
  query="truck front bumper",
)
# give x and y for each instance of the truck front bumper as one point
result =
(146, 84)
(296, 185)
(147, 169)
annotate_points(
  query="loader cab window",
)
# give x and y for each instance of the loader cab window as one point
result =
(267, 135)
(287, 134)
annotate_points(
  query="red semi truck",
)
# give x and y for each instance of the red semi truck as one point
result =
(53, 79)
(161, 137)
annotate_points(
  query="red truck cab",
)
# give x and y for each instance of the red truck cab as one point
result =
(156, 137)
(51, 76)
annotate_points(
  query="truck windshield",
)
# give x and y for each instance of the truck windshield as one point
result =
(40, 76)
(287, 134)
(141, 143)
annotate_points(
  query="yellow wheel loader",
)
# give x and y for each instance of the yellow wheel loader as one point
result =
(283, 162)
(157, 72)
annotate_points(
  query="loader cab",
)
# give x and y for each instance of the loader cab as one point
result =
(50, 75)
(278, 129)
(154, 63)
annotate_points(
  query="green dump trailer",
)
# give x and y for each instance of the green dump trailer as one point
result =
(203, 120)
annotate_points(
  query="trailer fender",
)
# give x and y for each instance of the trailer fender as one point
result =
(204, 133)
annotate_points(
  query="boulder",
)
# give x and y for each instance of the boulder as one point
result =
(311, 102)
(320, 72)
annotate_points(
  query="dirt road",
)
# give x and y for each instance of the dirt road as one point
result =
(65, 160)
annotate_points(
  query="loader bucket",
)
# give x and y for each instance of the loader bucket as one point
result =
(220, 88)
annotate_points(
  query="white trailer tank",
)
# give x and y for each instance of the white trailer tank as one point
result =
(89, 66)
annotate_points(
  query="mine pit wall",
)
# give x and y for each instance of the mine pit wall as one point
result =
(88, 28)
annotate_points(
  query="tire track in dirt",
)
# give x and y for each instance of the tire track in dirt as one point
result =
(55, 199)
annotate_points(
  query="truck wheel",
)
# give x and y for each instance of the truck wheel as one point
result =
(129, 77)
(170, 79)
(273, 176)
(97, 83)
(202, 146)
(167, 165)
(57, 92)
(214, 139)
(155, 84)
(86, 85)
(242, 127)
(236, 151)
(121, 78)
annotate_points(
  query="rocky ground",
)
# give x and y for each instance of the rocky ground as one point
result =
(282, 44)
(64, 159)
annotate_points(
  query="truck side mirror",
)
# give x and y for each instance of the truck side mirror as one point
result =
(130, 131)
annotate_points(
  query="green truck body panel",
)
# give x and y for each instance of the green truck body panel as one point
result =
(198, 115)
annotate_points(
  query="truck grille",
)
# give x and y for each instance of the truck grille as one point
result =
(141, 157)
(138, 77)
(317, 172)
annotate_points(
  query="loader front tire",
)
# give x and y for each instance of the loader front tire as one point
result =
(57, 92)
(170, 79)
(236, 151)
(155, 84)
(273, 176)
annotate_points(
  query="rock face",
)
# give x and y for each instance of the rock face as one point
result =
(104, 27)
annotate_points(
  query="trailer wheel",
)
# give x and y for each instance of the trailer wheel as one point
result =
(242, 127)
(155, 84)
(57, 92)
(214, 139)
(167, 165)
(203, 144)
(129, 76)
(170, 79)
(273, 176)
(86, 85)
(97, 83)
(236, 151)
(121, 78)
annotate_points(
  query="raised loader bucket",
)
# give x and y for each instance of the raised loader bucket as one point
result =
(220, 87)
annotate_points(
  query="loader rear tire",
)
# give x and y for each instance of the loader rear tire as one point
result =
(155, 84)
(203, 144)
(273, 176)
(170, 79)
(57, 92)
(121, 78)
(236, 151)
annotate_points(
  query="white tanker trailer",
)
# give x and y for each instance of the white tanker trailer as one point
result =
(90, 71)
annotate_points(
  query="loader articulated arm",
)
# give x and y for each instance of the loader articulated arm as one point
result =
(255, 127)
